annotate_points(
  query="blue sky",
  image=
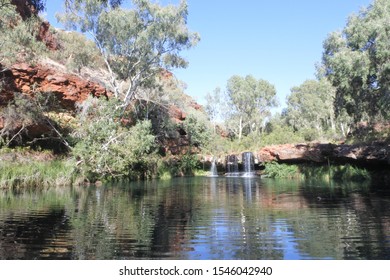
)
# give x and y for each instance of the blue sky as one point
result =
(279, 40)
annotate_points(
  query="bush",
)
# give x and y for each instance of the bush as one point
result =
(276, 170)
(350, 173)
(18, 38)
(281, 135)
(109, 149)
(197, 128)
(76, 52)
(23, 112)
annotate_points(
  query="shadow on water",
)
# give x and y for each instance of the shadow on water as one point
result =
(198, 218)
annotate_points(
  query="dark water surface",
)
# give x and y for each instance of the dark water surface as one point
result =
(198, 218)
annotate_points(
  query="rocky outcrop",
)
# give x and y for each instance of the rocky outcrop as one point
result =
(68, 88)
(373, 154)
(46, 36)
(26, 11)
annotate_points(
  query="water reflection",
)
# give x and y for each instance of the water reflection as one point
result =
(197, 218)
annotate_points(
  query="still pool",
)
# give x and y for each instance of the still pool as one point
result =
(198, 218)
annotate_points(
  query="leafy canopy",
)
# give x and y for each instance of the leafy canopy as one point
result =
(137, 43)
(250, 101)
(357, 62)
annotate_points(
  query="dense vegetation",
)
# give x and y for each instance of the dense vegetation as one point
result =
(124, 137)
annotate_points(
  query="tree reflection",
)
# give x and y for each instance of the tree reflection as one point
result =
(197, 218)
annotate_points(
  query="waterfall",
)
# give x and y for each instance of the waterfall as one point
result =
(249, 164)
(235, 167)
(232, 166)
(213, 169)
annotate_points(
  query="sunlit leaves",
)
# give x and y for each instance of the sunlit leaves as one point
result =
(250, 102)
(357, 63)
(135, 43)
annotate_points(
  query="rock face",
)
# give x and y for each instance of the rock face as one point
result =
(23, 8)
(68, 88)
(44, 34)
(374, 154)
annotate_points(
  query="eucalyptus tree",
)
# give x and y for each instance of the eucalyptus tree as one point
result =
(357, 62)
(250, 101)
(310, 105)
(136, 43)
(214, 106)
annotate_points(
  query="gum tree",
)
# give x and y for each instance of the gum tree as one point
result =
(250, 101)
(136, 43)
(310, 105)
(356, 61)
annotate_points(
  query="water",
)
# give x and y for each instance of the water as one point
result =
(198, 218)
(213, 169)
(249, 164)
(232, 166)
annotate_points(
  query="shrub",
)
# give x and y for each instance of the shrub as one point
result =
(350, 173)
(281, 135)
(76, 51)
(108, 149)
(18, 38)
(23, 112)
(276, 170)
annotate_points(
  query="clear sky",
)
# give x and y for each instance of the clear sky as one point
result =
(276, 40)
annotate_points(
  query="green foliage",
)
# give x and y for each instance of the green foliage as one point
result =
(77, 52)
(18, 38)
(276, 170)
(135, 44)
(356, 61)
(343, 173)
(188, 164)
(20, 112)
(350, 173)
(106, 148)
(281, 135)
(23, 112)
(249, 101)
(197, 128)
(36, 174)
(310, 107)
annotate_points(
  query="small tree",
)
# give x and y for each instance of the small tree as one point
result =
(213, 106)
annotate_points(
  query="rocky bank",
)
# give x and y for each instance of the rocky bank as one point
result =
(360, 154)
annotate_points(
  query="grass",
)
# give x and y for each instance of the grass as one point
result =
(36, 174)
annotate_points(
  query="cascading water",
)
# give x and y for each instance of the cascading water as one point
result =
(249, 164)
(232, 166)
(213, 169)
